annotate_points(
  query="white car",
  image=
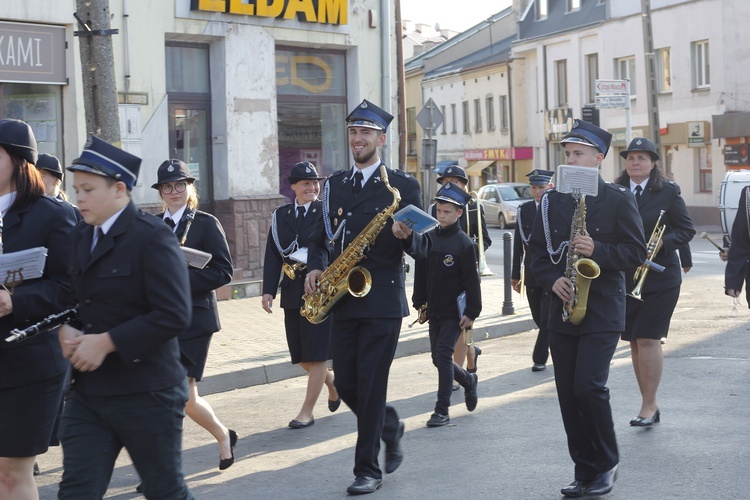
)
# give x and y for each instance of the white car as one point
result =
(501, 201)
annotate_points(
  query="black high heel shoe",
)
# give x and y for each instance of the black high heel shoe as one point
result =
(646, 422)
(477, 352)
(225, 463)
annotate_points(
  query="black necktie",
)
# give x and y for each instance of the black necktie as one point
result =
(170, 222)
(638, 190)
(300, 213)
(357, 184)
(98, 235)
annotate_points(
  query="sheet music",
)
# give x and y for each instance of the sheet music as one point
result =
(28, 264)
(300, 255)
(196, 258)
(584, 180)
(417, 220)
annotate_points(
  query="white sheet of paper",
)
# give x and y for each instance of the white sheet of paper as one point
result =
(300, 255)
(572, 179)
(23, 265)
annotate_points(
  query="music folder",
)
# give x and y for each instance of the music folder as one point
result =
(28, 264)
(415, 219)
(196, 258)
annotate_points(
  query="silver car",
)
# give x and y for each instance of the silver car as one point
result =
(501, 201)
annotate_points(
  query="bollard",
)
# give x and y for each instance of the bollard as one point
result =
(507, 259)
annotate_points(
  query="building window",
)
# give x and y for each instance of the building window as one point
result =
(453, 119)
(561, 83)
(701, 73)
(411, 131)
(504, 112)
(573, 5)
(541, 10)
(592, 74)
(625, 70)
(490, 102)
(663, 70)
(445, 119)
(705, 181)
(478, 115)
(467, 127)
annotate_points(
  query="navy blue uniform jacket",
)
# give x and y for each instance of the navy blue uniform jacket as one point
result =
(134, 286)
(678, 233)
(286, 220)
(449, 269)
(44, 223)
(613, 222)
(471, 209)
(207, 235)
(387, 298)
(524, 223)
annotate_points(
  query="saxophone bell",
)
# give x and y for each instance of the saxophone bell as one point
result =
(291, 269)
(359, 281)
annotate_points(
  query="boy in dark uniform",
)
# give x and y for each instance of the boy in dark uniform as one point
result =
(449, 269)
(582, 353)
(131, 284)
(538, 301)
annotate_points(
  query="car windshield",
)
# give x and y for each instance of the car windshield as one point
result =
(511, 193)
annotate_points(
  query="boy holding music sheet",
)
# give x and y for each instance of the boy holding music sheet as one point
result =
(449, 270)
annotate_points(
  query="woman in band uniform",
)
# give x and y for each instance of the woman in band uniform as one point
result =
(200, 231)
(32, 372)
(647, 321)
(309, 344)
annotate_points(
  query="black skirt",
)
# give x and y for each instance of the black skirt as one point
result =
(650, 318)
(196, 349)
(28, 415)
(307, 342)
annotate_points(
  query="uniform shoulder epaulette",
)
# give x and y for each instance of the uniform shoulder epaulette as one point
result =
(401, 173)
(616, 187)
(337, 172)
(282, 207)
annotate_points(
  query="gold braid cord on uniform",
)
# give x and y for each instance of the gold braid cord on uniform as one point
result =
(343, 275)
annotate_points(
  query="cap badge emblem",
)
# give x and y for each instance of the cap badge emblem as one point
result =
(639, 142)
(363, 105)
(170, 168)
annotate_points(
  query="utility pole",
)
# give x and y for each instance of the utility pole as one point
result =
(651, 95)
(98, 69)
(401, 89)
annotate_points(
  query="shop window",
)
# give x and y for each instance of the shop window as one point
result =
(312, 102)
(187, 69)
(38, 105)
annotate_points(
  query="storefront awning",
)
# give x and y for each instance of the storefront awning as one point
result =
(735, 124)
(476, 167)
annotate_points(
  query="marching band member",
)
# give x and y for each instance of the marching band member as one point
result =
(133, 292)
(365, 330)
(736, 256)
(32, 372)
(309, 344)
(201, 231)
(474, 210)
(582, 353)
(647, 320)
(540, 181)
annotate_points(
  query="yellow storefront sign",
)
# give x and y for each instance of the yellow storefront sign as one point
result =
(311, 11)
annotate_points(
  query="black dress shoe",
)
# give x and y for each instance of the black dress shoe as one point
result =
(394, 455)
(574, 490)
(538, 367)
(456, 387)
(470, 394)
(296, 424)
(334, 405)
(602, 483)
(139, 488)
(438, 420)
(646, 422)
(363, 485)
(477, 352)
(225, 463)
(36, 469)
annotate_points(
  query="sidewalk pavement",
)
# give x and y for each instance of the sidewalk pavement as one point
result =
(251, 348)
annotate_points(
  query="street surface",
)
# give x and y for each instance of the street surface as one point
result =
(513, 445)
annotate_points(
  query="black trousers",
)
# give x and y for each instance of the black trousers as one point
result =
(539, 305)
(581, 373)
(362, 352)
(443, 336)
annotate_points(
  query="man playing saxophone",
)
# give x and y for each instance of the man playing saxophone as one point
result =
(365, 328)
(582, 352)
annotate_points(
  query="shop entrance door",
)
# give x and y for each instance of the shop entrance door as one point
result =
(190, 141)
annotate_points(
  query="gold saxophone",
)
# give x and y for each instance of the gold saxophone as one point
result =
(343, 275)
(579, 270)
(651, 249)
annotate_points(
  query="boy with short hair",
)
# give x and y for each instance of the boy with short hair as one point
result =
(449, 270)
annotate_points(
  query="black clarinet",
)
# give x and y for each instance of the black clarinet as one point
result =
(49, 323)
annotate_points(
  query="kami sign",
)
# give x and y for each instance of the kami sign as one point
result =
(32, 53)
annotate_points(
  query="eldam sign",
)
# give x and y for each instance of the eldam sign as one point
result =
(311, 11)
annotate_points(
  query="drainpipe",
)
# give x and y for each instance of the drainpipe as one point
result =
(385, 66)
(126, 44)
